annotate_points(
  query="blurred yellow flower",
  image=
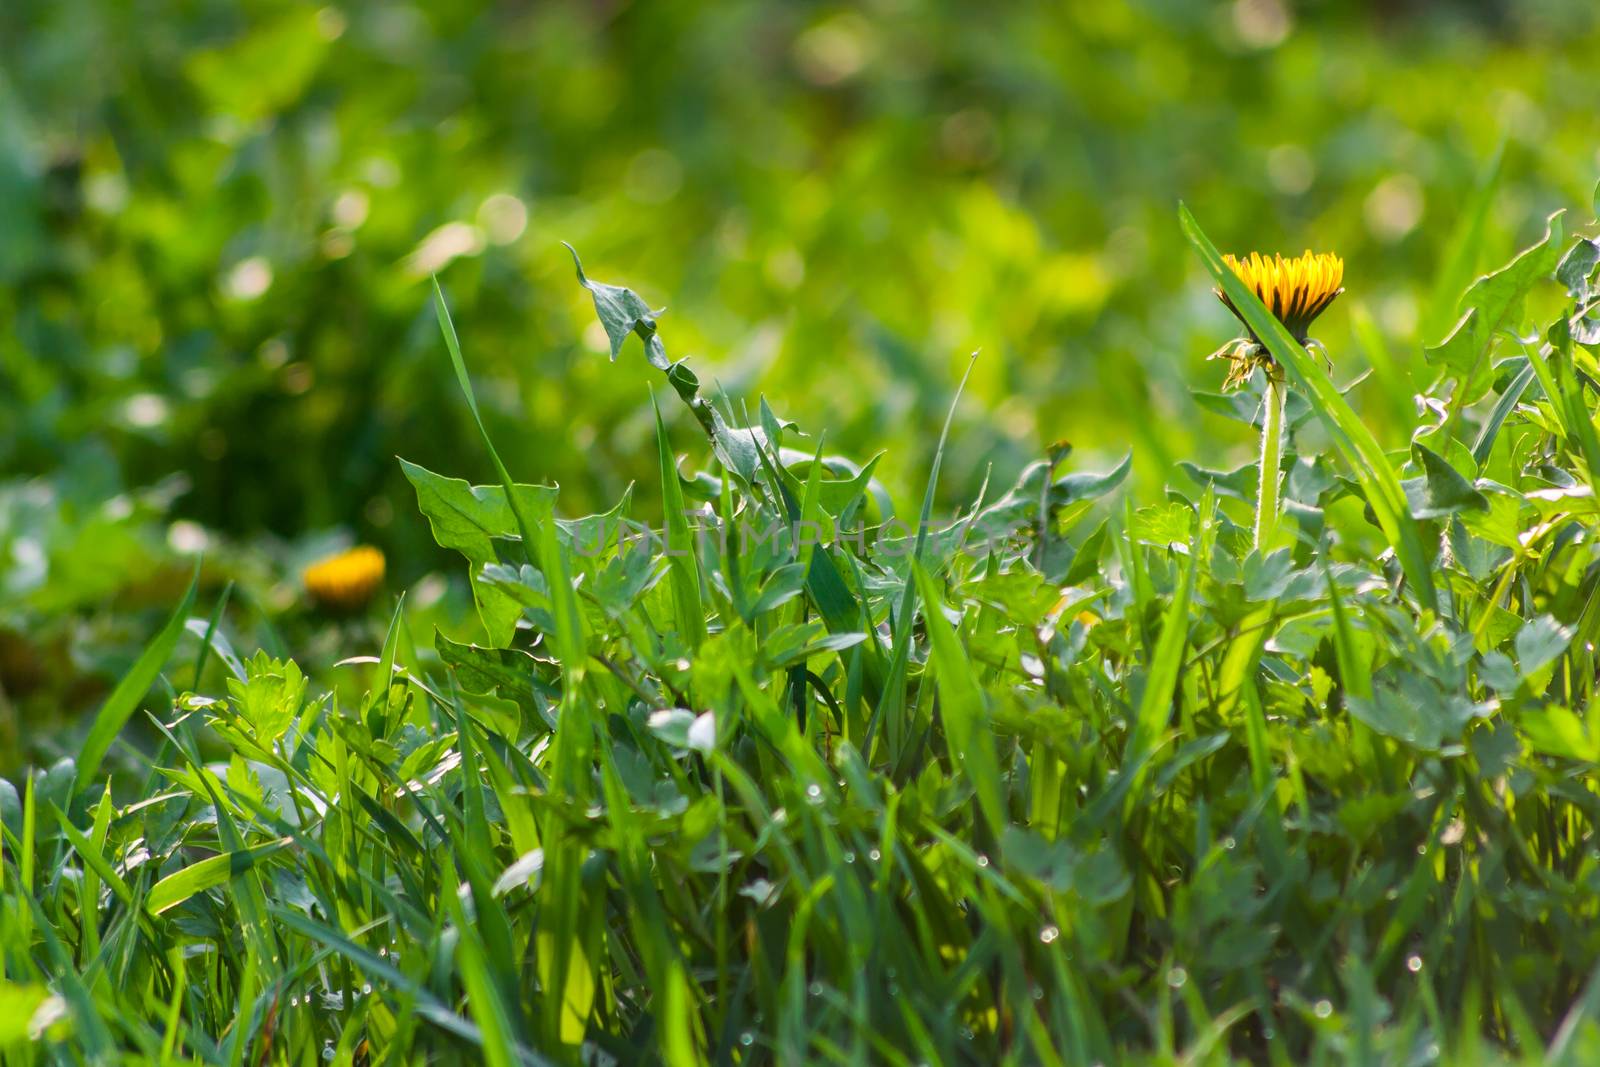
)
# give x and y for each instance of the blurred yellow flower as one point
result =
(345, 582)
(1296, 291)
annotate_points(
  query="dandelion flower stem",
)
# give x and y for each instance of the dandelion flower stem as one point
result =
(1271, 460)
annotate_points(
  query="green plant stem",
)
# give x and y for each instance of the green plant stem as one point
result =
(1271, 461)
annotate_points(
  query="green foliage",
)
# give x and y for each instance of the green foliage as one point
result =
(754, 779)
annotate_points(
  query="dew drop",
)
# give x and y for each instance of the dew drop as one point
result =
(1176, 977)
(874, 855)
(815, 989)
(747, 1039)
(1323, 1009)
(983, 861)
(1049, 934)
(1414, 964)
(849, 857)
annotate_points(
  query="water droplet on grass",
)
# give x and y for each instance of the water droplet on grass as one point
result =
(1049, 934)
(1176, 977)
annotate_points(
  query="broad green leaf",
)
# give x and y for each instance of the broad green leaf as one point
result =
(1162, 525)
(470, 519)
(507, 671)
(1539, 642)
(1237, 484)
(1457, 352)
(1556, 731)
(1411, 709)
(1498, 298)
(1577, 267)
(270, 697)
(1440, 490)
(622, 312)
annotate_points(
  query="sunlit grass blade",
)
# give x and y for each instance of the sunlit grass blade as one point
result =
(1166, 663)
(683, 555)
(427, 1005)
(208, 873)
(961, 704)
(453, 344)
(1502, 409)
(890, 712)
(124, 699)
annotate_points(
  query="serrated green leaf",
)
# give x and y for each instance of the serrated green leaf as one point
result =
(621, 313)
(1441, 490)
(1577, 267)
(471, 519)
(1539, 642)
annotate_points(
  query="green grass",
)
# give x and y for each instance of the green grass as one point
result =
(1059, 780)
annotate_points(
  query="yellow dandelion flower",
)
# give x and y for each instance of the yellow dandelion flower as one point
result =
(1295, 290)
(345, 582)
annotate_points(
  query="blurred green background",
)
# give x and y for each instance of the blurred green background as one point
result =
(217, 219)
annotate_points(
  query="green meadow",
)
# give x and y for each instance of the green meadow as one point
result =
(781, 533)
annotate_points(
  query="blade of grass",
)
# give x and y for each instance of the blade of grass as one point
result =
(683, 559)
(124, 699)
(961, 702)
(1166, 663)
(453, 343)
(891, 708)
